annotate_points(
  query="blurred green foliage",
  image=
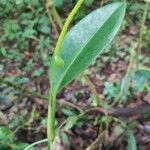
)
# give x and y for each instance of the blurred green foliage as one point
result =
(8, 141)
(26, 43)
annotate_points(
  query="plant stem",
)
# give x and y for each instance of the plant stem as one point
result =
(49, 122)
(66, 25)
(36, 143)
(51, 119)
(52, 93)
(133, 64)
(57, 17)
(51, 20)
(142, 28)
(93, 89)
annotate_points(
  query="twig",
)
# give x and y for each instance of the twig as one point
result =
(53, 14)
(127, 78)
(120, 112)
(95, 144)
(129, 112)
(36, 143)
(48, 4)
(92, 89)
(63, 102)
(57, 17)
(26, 123)
(124, 112)
(142, 27)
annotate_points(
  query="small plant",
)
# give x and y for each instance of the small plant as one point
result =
(8, 140)
(76, 50)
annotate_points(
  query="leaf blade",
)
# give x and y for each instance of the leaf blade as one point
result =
(89, 37)
(131, 141)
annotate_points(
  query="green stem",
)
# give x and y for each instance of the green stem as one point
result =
(66, 25)
(51, 119)
(36, 143)
(52, 95)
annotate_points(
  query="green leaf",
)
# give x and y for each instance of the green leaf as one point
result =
(58, 3)
(1, 67)
(71, 121)
(5, 134)
(28, 32)
(3, 51)
(38, 72)
(140, 78)
(44, 25)
(89, 2)
(118, 130)
(131, 141)
(67, 112)
(85, 41)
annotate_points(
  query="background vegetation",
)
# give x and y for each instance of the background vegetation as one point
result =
(118, 78)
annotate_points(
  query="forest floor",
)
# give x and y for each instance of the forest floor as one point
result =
(26, 49)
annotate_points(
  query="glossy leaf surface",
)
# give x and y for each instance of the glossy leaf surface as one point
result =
(85, 41)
